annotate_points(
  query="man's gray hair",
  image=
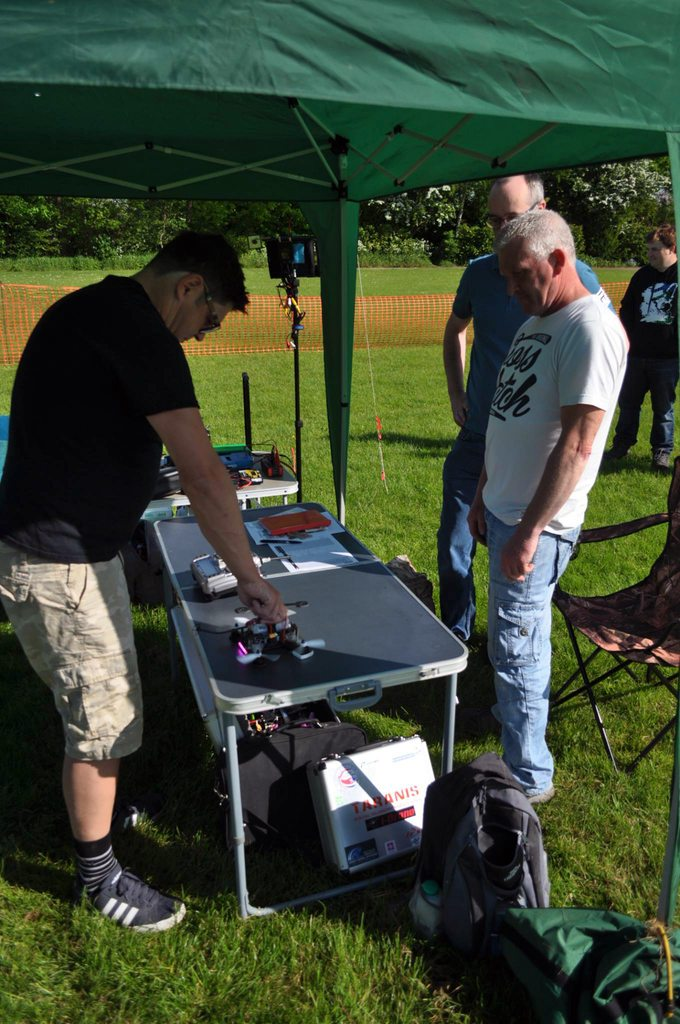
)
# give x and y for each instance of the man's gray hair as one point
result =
(542, 231)
(533, 182)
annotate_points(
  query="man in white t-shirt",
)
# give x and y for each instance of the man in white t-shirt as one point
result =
(550, 415)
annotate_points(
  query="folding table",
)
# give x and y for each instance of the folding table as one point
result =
(377, 634)
(275, 488)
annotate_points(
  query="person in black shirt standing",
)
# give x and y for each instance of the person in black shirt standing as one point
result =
(649, 314)
(102, 384)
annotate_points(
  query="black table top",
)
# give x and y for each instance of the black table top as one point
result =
(373, 627)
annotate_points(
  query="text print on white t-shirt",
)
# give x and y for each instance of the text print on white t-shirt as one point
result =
(515, 379)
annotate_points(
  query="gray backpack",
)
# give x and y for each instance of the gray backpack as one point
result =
(482, 843)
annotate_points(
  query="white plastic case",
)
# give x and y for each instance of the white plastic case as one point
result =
(369, 804)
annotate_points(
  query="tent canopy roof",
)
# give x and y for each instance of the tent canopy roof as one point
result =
(175, 100)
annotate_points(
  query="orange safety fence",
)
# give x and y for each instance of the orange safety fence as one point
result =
(383, 321)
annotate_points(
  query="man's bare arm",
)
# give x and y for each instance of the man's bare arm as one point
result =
(454, 366)
(476, 519)
(562, 472)
(214, 503)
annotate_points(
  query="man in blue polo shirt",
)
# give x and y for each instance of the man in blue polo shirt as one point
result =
(482, 297)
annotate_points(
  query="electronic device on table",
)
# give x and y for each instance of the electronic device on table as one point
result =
(214, 576)
(245, 477)
(256, 641)
(270, 463)
(234, 456)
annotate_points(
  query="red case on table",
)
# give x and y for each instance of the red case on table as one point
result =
(294, 522)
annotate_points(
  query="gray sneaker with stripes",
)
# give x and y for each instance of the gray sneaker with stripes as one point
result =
(132, 903)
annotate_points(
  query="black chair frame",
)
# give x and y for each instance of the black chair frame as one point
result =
(646, 640)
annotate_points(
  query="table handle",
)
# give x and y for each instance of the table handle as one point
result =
(355, 695)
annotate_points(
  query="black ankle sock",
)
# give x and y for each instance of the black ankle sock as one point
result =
(95, 860)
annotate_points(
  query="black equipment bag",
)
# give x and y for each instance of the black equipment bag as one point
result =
(482, 843)
(143, 573)
(277, 803)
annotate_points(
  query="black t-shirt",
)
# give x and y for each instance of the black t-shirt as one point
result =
(82, 458)
(649, 313)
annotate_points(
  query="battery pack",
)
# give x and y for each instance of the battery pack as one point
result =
(369, 804)
(235, 456)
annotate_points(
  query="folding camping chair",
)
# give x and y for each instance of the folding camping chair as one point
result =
(640, 624)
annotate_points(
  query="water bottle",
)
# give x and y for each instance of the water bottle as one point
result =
(426, 906)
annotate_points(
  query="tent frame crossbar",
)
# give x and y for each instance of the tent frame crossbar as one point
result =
(444, 143)
(436, 145)
(230, 167)
(501, 161)
(370, 159)
(367, 159)
(67, 166)
(294, 106)
(227, 167)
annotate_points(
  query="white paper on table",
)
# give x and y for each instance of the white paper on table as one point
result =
(318, 549)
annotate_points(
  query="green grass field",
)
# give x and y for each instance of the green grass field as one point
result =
(373, 280)
(354, 960)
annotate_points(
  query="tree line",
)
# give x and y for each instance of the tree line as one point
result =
(610, 207)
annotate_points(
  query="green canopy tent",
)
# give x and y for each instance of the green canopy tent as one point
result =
(330, 104)
(326, 104)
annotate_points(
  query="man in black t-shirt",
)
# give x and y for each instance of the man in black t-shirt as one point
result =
(102, 384)
(649, 314)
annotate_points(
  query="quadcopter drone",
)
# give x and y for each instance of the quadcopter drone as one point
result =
(258, 641)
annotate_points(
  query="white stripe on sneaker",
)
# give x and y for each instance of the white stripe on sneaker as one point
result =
(117, 909)
(110, 907)
(130, 916)
(120, 910)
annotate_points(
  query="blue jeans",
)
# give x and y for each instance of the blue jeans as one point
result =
(455, 546)
(520, 651)
(659, 377)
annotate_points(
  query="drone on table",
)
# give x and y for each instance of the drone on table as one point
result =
(258, 641)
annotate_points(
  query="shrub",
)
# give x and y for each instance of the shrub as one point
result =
(380, 250)
(58, 263)
(579, 240)
(254, 258)
(467, 243)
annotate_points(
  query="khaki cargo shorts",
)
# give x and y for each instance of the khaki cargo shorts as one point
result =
(75, 626)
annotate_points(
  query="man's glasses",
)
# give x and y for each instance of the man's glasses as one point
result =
(498, 222)
(213, 321)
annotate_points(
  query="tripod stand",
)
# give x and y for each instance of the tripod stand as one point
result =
(289, 283)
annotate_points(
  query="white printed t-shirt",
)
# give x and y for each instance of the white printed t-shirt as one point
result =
(576, 356)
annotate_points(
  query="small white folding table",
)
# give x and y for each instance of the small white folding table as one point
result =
(277, 489)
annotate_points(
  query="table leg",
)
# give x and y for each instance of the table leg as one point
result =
(169, 601)
(237, 835)
(449, 723)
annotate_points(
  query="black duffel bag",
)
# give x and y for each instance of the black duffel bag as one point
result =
(277, 804)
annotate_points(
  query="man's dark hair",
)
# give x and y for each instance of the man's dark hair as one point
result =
(211, 256)
(665, 234)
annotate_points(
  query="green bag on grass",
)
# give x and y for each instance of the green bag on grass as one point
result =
(585, 966)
